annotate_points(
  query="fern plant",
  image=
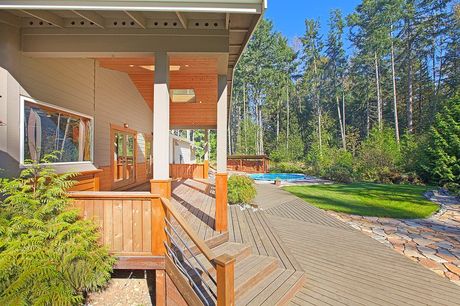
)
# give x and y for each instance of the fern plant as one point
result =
(48, 254)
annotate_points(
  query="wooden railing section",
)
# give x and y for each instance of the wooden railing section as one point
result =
(223, 264)
(131, 223)
(133, 226)
(184, 171)
(249, 163)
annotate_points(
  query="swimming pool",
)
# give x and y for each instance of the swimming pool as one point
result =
(287, 177)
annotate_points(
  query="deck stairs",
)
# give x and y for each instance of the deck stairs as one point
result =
(259, 279)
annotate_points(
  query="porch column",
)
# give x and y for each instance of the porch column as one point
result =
(221, 175)
(161, 183)
(206, 154)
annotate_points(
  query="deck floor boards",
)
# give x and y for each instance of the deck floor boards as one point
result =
(342, 265)
(345, 267)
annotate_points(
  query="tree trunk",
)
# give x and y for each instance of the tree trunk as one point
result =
(257, 143)
(410, 93)
(395, 101)
(320, 138)
(368, 119)
(410, 97)
(245, 123)
(342, 133)
(379, 98)
(277, 120)
(287, 115)
(344, 122)
(261, 132)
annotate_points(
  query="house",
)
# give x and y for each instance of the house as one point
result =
(181, 150)
(104, 83)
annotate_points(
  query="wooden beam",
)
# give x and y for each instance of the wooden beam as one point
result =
(91, 17)
(239, 30)
(227, 21)
(137, 18)
(140, 263)
(182, 19)
(46, 17)
(10, 19)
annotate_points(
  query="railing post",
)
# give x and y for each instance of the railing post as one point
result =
(221, 202)
(205, 168)
(96, 183)
(225, 268)
(158, 227)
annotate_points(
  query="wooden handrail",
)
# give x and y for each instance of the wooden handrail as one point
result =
(112, 195)
(202, 246)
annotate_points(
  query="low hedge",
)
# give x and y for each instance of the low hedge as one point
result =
(241, 189)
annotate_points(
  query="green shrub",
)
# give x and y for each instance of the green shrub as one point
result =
(341, 167)
(241, 189)
(379, 157)
(286, 167)
(48, 255)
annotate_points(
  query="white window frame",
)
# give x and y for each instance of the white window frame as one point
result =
(23, 100)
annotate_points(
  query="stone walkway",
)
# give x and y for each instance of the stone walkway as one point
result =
(433, 242)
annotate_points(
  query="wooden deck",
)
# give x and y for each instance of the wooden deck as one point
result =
(341, 265)
(344, 266)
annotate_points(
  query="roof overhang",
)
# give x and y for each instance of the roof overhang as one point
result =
(102, 28)
(212, 6)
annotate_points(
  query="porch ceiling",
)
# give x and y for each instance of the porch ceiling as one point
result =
(186, 72)
(134, 28)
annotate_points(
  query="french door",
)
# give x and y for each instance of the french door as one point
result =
(124, 158)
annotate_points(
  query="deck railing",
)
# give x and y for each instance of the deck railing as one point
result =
(184, 171)
(141, 227)
(202, 285)
(130, 222)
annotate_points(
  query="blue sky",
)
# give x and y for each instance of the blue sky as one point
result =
(289, 16)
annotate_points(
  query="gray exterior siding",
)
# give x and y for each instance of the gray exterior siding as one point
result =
(76, 84)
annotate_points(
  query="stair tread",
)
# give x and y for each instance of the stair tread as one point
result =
(276, 289)
(231, 248)
(239, 250)
(251, 271)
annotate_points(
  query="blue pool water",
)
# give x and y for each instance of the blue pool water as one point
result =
(281, 176)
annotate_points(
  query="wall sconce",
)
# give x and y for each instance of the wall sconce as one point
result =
(2, 123)
(125, 125)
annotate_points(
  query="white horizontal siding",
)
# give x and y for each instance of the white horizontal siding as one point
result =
(118, 102)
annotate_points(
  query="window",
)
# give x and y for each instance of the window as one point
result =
(148, 156)
(47, 129)
(182, 95)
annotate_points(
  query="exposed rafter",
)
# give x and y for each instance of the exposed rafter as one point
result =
(46, 17)
(138, 18)
(91, 17)
(227, 21)
(10, 19)
(239, 30)
(182, 19)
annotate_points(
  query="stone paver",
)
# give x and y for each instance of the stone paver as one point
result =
(433, 242)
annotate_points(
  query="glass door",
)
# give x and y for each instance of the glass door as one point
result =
(124, 158)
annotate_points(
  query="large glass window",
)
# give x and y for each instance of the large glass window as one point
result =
(48, 129)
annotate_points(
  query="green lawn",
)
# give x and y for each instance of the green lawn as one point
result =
(367, 199)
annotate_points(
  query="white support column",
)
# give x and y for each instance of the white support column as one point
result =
(221, 219)
(222, 125)
(161, 117)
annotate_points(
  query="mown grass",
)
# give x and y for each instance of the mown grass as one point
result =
(368, 199)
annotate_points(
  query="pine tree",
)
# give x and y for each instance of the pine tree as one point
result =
(443, 151)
